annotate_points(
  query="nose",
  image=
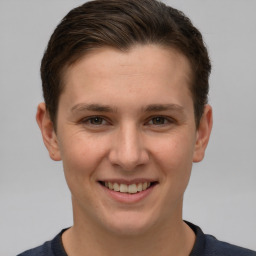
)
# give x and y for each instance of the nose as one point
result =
(128, 150)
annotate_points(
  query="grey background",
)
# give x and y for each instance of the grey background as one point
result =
(221, 197)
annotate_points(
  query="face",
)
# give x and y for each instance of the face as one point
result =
(126, 135)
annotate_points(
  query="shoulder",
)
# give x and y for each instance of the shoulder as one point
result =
(43, 250)
(216, 247)
(49, 248)
(208, 245)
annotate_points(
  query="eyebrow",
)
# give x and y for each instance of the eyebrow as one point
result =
(163, 107)
(92, 107)
(106, 108)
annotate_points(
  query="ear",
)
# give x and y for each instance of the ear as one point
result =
(48, 133)
(203, 134)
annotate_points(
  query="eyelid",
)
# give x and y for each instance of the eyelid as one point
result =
(168, 119)
(87, 119)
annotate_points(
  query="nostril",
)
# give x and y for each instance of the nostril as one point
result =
(128, 152)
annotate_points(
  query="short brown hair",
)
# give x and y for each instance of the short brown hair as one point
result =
(122, 24)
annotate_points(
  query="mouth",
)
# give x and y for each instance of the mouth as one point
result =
(133, 188)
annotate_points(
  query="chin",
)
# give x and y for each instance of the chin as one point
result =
(130, 224)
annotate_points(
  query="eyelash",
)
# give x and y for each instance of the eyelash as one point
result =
(103, 121)
(165, 120)
(89, 120)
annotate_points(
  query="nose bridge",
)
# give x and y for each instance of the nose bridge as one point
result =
(129, 149)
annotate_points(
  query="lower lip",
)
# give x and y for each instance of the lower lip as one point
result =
(126, 197)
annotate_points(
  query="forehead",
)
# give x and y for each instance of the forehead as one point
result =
(139, 58)
(141, 68)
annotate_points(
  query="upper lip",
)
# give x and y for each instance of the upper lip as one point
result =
(128, 182)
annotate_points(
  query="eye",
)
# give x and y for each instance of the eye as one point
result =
(159, 120)
(95, 120)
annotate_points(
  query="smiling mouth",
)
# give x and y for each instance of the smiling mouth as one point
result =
(129, 189)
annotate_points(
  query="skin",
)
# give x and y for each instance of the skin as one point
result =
(125, 116)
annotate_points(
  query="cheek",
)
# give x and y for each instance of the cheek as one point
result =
(81, 156)
(174, 157)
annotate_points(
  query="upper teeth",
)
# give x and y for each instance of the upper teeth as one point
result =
(124, 188)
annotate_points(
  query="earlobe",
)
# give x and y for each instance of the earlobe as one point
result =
(48, 133)
(203, 134)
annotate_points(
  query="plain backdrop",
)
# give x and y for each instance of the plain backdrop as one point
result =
(221, 197)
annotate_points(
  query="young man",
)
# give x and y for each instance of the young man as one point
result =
(125, 86)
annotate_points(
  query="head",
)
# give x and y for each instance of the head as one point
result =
(125, 86)
(123, 25)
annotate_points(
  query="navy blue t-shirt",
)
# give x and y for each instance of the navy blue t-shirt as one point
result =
(205, 245)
